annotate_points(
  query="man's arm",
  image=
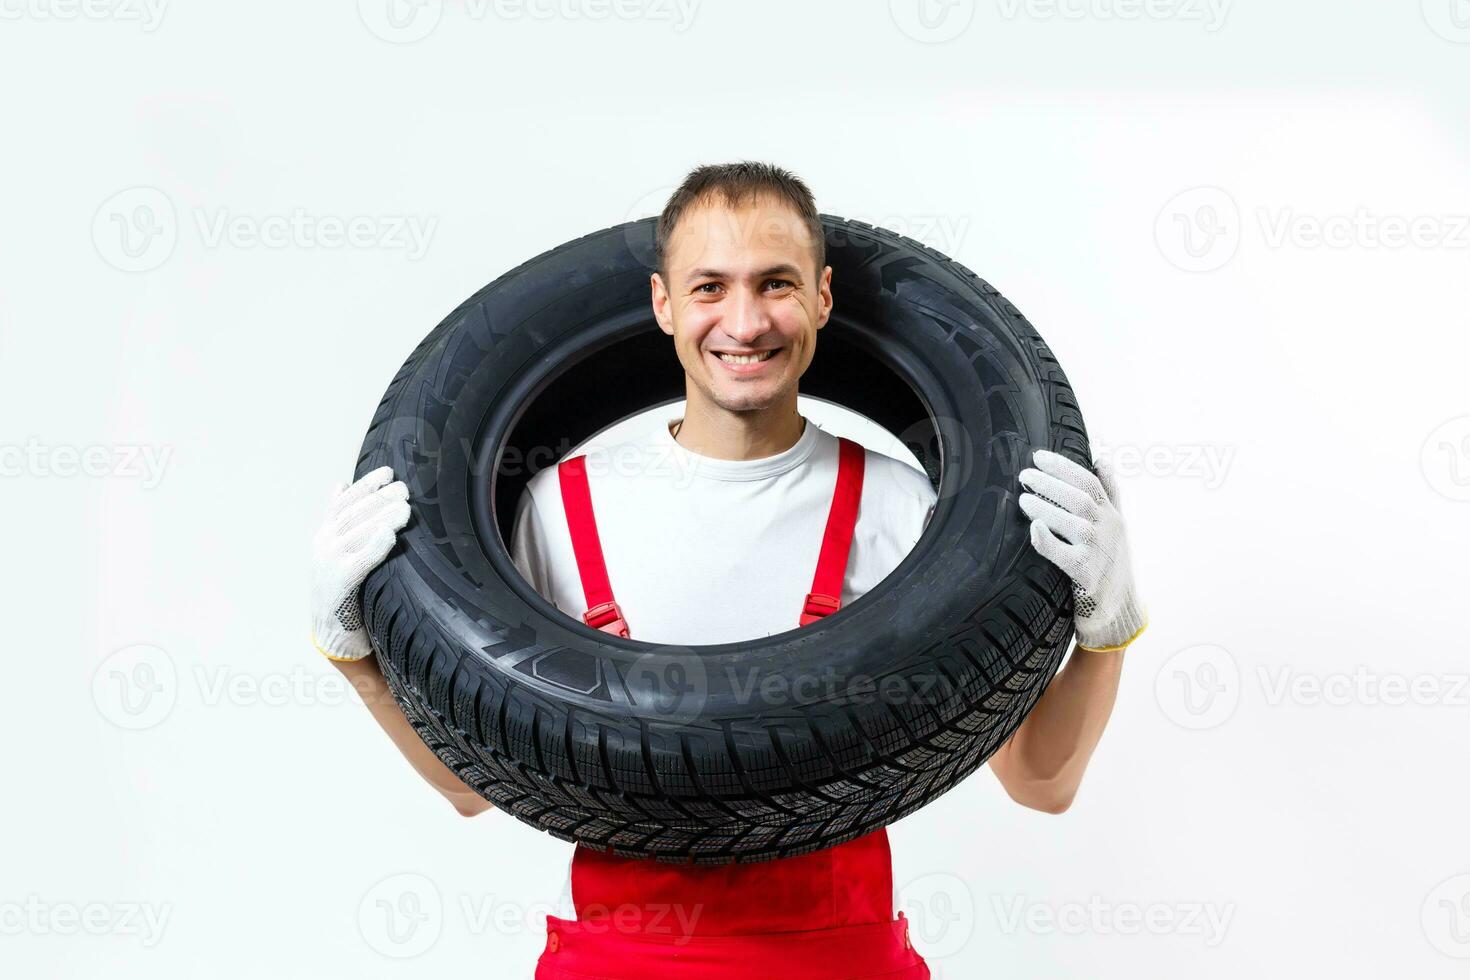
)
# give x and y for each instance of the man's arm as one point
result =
(1076, 525)
(367, 678)
(1041, 765)
(360, 529)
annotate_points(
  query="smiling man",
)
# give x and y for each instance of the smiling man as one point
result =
(720, 547)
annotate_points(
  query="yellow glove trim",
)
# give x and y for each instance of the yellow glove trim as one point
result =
(1121, 646)
(340, 660)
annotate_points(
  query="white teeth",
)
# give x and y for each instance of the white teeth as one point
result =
(745, 358)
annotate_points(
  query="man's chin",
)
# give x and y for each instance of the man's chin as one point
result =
(746, 401)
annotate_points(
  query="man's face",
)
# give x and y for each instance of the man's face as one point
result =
(742, 280)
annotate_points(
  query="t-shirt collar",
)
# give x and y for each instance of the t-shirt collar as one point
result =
(696, 464)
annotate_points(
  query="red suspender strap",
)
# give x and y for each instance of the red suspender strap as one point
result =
(825, 598)
(826, 594)
(602, 612)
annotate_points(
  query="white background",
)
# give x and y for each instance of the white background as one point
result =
(1290, 413)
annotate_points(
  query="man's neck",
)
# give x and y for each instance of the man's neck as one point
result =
(739, 435)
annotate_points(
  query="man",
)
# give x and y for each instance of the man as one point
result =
(711, 537)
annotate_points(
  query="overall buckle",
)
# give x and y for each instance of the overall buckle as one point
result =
(608, 617)
(818, 605)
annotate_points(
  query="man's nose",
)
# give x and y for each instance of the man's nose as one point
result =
(746, 319)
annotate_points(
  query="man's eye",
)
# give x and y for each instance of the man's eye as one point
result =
(706, 285)
(780, 283)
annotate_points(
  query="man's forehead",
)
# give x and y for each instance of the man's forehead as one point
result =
(764, 229)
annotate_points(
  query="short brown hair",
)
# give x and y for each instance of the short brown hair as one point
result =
(737, 183)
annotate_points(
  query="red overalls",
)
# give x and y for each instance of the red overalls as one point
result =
(827, 915)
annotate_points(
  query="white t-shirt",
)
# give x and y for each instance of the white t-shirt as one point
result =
(702, 550)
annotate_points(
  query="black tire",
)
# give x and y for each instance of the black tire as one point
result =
(736, 752)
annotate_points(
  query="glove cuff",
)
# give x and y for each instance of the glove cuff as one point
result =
(1117, 632)
(342, 645)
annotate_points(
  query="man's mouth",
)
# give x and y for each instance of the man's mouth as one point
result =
(752, 358)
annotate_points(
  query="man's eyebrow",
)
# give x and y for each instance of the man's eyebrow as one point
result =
(779, 269)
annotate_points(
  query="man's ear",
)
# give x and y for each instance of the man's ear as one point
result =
(660, 297)
(824, 297)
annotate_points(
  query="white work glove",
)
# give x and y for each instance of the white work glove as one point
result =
(362, 523)
(1075, 524)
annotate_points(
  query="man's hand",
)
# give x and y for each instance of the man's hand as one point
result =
(1075, 524)
(361, 525)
